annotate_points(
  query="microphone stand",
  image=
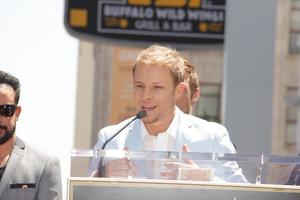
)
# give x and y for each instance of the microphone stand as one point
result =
(101, 166)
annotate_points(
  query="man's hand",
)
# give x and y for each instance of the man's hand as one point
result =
(172, 168)
(119, 168)
(187, 170)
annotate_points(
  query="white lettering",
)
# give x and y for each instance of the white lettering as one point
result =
(182, 26)
(149, 13)
(206, 15)
(151, 25)
(166, 26)
(170, 14)
(127, 12)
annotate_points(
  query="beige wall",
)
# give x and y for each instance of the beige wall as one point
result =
(286, 75)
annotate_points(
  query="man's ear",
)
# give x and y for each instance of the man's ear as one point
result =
(18, 111)
(196, 96)
(179, 89)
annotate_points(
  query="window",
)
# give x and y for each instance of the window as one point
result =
(208, 106)
(291, 119)
(294, 46)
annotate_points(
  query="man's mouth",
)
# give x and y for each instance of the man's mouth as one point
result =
(2, 132)
(148, 108)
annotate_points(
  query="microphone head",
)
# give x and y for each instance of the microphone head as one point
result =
(141, 114)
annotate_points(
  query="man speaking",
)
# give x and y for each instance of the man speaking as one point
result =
(158, 81)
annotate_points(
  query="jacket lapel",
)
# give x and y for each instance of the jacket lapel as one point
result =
(15, 158)
(183, 125)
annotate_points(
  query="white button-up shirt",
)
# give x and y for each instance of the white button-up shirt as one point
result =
(164, 141)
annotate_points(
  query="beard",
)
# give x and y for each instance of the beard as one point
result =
(7, 135)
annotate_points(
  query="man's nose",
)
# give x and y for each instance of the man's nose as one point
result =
(147, 94)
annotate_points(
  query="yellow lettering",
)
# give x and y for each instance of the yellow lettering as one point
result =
(140, 2)
(194, 3)
(168, 3)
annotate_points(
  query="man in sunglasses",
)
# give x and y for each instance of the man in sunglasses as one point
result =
(25, 172)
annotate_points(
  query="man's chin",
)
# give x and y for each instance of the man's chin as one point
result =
(5, 137)
(149, 120)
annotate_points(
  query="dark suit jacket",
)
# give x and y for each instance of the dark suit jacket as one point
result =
(31, 174)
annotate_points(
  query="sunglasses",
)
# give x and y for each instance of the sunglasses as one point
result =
(7, 110)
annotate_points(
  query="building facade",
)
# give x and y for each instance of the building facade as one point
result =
(104, 83)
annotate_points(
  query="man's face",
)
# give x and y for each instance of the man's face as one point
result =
(155, 93)
(7, 124)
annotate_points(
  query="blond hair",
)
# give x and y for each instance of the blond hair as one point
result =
(162, 56)
(191, 77)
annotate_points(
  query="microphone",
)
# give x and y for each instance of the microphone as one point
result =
(101, 168)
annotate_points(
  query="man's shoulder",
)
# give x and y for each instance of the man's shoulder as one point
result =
(34, 152)
(198, 122)
(32, 164)
(206, 135)
(193, 124)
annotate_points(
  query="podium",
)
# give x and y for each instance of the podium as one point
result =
(121, 189)
(266, 177)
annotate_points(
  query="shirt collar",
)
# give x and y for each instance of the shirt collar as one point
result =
(171, 130)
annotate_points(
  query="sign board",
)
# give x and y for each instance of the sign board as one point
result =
(176, 21)
(117, 189)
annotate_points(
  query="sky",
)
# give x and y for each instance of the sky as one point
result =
(35, 47)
